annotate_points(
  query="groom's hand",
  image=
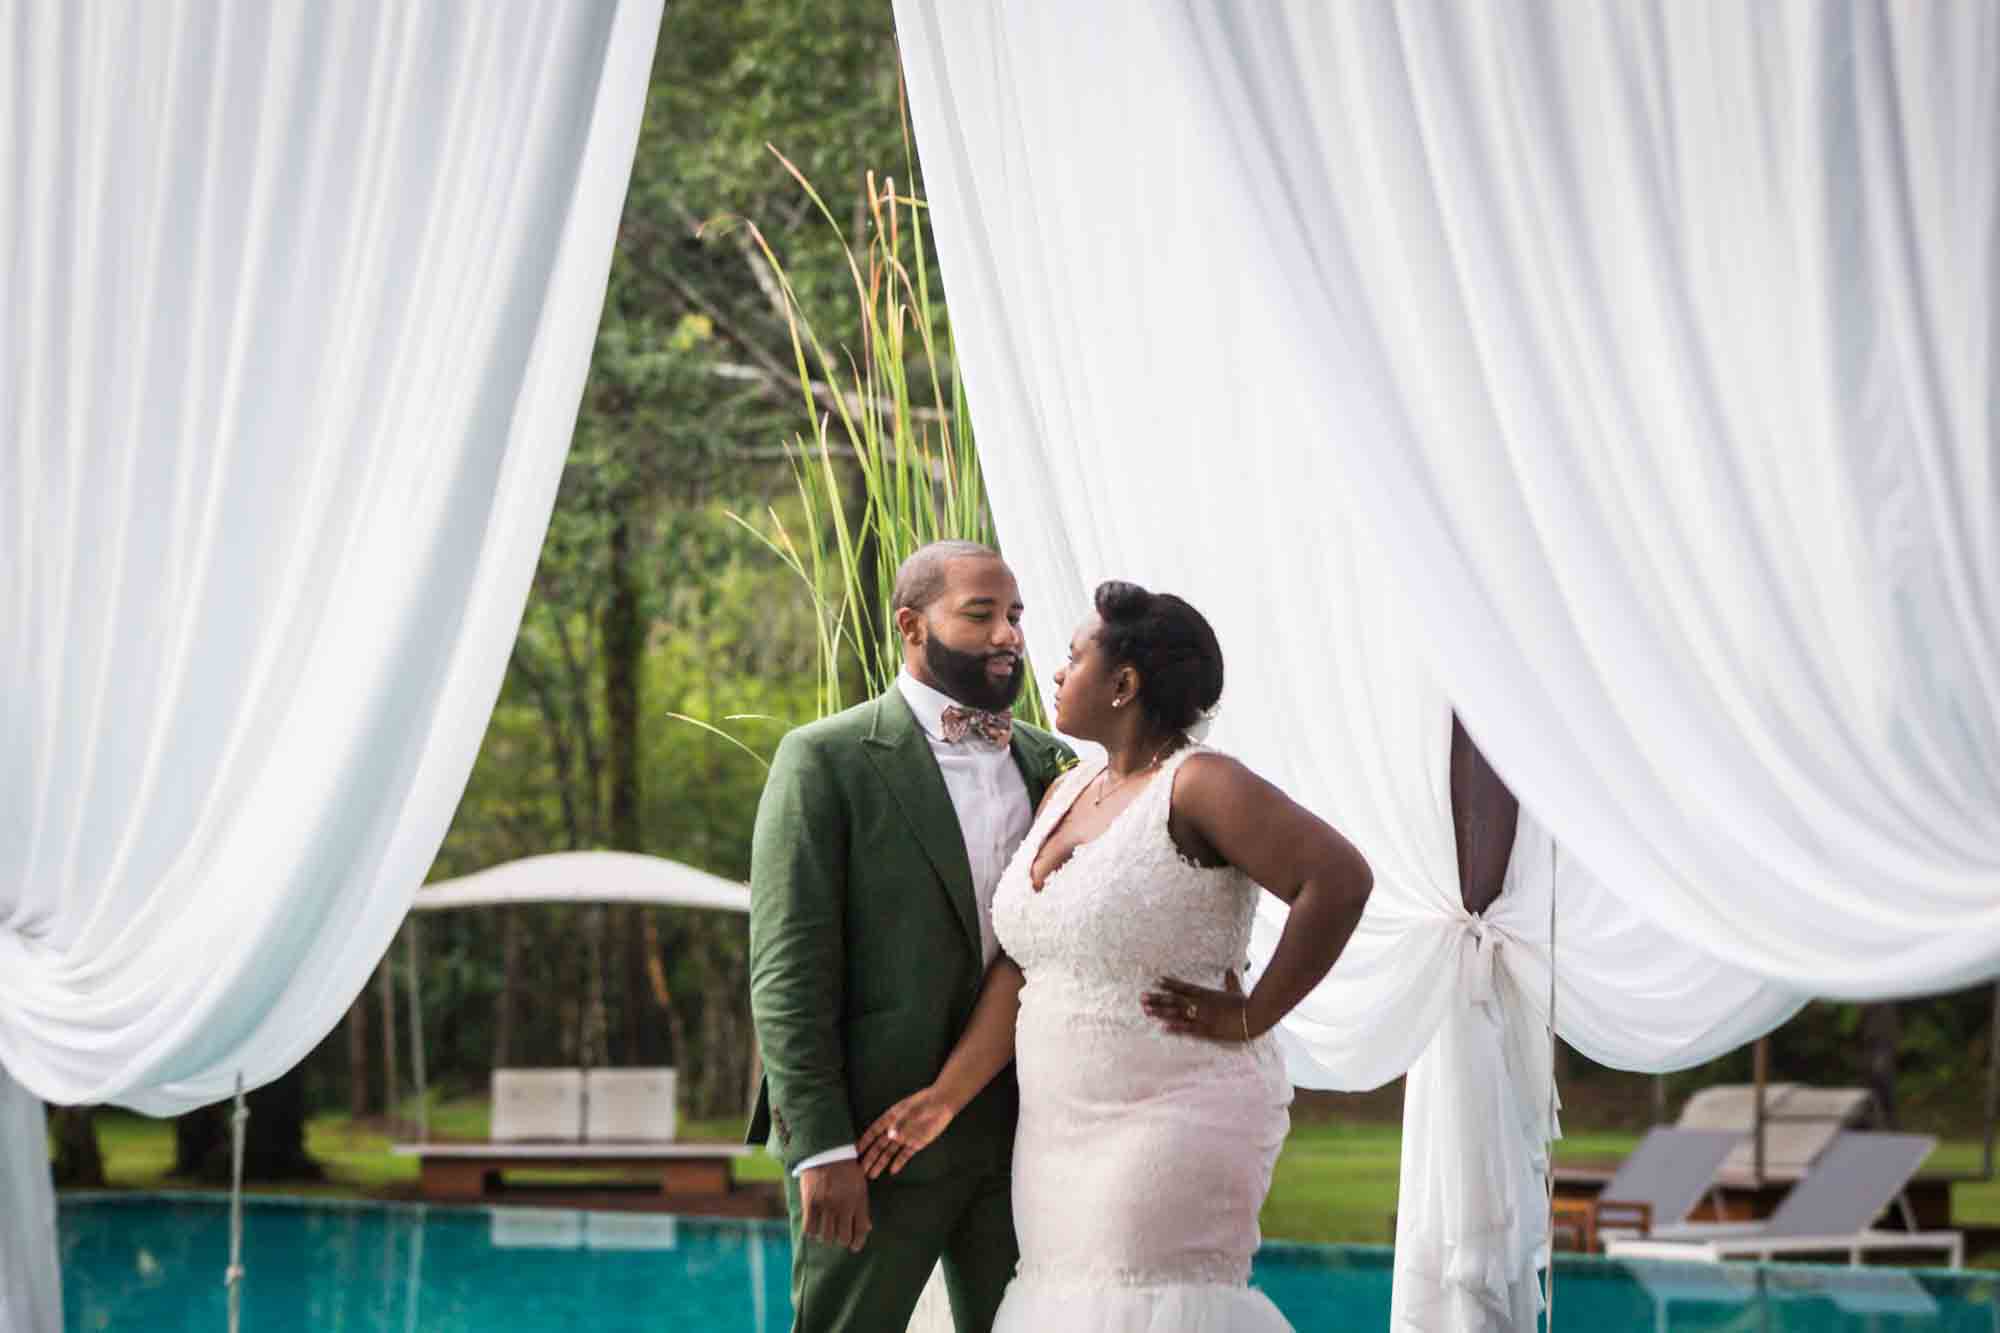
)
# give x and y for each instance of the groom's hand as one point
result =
(834, 1201)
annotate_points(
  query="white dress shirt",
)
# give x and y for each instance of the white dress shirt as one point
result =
(991, 799)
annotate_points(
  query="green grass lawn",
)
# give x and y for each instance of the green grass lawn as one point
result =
(1335, 1181)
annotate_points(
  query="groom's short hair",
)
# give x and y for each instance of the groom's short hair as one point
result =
(920, 579)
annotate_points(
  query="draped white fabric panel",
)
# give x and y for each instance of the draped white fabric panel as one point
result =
(30, 1283)
(1472, 353)
(296, 301)
(1667, 354)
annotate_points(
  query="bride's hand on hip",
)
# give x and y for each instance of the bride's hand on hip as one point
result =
(902, 1131)
(1198, 1011)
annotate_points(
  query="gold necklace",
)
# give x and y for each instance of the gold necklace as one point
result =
(1105, 793)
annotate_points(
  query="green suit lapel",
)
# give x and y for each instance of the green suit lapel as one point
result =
(902, 758)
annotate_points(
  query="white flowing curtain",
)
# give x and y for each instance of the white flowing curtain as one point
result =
(1669, 347)
(296, 302)
(1618, 375)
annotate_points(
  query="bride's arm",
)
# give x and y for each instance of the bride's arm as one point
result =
(987, 1045)
(984, 1049)
(1239, 818)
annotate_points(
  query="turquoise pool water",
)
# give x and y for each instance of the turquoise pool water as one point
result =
(154, 1263)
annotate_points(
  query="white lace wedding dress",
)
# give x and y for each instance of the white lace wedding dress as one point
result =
(1142, 1157)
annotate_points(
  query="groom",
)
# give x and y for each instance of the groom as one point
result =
(880, 837)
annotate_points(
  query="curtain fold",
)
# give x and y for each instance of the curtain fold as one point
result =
(1617, 377)
(296, 302)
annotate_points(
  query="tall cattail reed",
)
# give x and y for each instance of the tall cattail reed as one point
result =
(889, 463)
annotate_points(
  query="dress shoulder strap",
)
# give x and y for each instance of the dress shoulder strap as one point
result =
(1182, 755)
(1162, 815)
(1169, 772)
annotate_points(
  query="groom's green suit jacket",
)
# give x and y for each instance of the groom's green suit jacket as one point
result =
(864, 936)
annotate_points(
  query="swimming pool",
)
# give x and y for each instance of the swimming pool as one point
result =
(154, 1263)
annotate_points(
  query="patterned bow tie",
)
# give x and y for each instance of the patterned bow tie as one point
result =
(978, 726)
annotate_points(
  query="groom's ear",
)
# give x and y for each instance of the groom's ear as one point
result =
(910, 626)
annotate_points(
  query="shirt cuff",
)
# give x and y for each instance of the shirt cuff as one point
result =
(844, 1153)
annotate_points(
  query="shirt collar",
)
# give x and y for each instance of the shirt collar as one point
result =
(926, 703)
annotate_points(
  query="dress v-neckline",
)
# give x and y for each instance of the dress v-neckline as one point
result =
(1069, 808)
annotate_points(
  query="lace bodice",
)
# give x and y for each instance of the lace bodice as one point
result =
(1125, 909)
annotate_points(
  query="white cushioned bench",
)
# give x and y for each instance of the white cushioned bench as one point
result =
(558, 1118)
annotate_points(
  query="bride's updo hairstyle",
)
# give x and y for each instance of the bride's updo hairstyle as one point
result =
(1170, 645)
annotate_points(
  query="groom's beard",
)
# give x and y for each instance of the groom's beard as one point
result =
(964, 676)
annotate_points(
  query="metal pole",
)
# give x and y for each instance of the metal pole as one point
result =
(1762, 1059)
(1549, 1127)
(1992, 1079)
(1659, 1099)
(417, 1028)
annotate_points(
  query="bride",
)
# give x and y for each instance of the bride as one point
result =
(1153, 1104)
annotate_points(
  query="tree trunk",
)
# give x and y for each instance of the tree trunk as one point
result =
(78, 1161)
(733, 1044)
(677, 1033)
(391, 1086)
(870, 629)
(633, 1003)
(510, 970)
(274, 1139)
(357, 1057)
(871, 612)
(719, 957)
(1881, 1033)
(624, 632)
(201, 1140)
(716, 1083)
(624, 635)
(592, 1049)
(663, 999)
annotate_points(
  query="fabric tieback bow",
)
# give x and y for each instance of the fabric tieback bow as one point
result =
(1476, 970)
(978, 726)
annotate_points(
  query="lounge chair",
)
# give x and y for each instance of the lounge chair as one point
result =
(1658, 1183)
(1800, 1123)
(1730, 1105)
(1832, 1211)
